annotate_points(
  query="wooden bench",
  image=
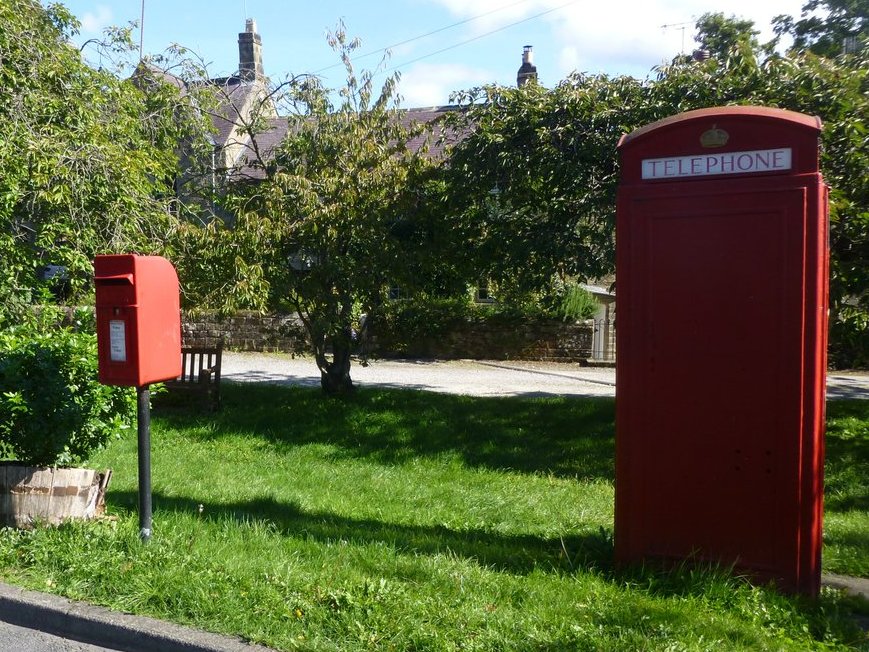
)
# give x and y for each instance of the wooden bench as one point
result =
(200, 373)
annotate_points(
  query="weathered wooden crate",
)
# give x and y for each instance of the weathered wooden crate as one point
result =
(33, 494)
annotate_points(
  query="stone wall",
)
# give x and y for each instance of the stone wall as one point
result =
(245, 331)
(549, 340)
(494, 340)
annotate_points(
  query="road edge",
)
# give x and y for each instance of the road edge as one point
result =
(87, 623)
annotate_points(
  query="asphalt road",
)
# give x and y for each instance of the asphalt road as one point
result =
(24, 639)
(472, 377)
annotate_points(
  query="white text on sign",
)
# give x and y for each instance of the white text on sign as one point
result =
(702, 165)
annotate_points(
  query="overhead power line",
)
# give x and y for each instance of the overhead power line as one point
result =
(481, 36)
(443, 29)
(448, 27)
(426, 35)
(477, 38)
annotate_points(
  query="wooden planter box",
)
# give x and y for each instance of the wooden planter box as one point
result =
(33, 494)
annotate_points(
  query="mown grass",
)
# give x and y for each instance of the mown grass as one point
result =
(846, 491)
(399, 520)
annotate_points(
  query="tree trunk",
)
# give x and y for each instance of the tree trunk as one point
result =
(335, 375)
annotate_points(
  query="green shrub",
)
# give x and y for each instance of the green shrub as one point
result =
(422, 316)
(53, 410)
(577, 303)
(849, 338)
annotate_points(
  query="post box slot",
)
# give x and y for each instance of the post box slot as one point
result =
(119, 279)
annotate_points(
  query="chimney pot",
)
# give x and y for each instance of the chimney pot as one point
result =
(528, 71)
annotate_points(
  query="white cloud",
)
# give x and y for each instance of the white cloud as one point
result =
(491, 14)
(431, 84)
(569, 59)
(94, 22)
(617, 36)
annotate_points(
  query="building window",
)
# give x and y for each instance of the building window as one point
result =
(482, 294)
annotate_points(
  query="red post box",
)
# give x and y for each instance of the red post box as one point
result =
(138, 320)
(722, 267)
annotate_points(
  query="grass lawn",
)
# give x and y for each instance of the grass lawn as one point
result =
(401, 520)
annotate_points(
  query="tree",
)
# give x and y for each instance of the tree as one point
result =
(533, 183)
(720, 35)
(323, 230)
(827, 34)
(87, 159)
(836, 90)
(551, 156)
(839, 37)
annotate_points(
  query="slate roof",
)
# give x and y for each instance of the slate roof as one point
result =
(440, 138)
(268, 140)
(235, 95)
(145, 71)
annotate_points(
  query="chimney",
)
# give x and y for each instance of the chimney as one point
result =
(250, 53)
(528, 71)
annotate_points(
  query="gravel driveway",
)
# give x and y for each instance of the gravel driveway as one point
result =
(474, 377)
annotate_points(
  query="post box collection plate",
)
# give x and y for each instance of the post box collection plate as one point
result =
(117, 341)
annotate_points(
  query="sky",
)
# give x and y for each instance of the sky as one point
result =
(438, 46)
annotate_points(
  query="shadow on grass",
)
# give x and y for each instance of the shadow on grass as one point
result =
(519, 554)
(516, 554)
(848, 539)
(568, 437)
(847, 455)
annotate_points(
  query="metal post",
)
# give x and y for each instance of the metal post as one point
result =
(144, 418)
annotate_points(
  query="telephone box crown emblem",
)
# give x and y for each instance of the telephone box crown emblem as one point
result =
(714, 137)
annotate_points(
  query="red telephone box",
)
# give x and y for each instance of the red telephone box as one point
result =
(722, 268)
(138, 320)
